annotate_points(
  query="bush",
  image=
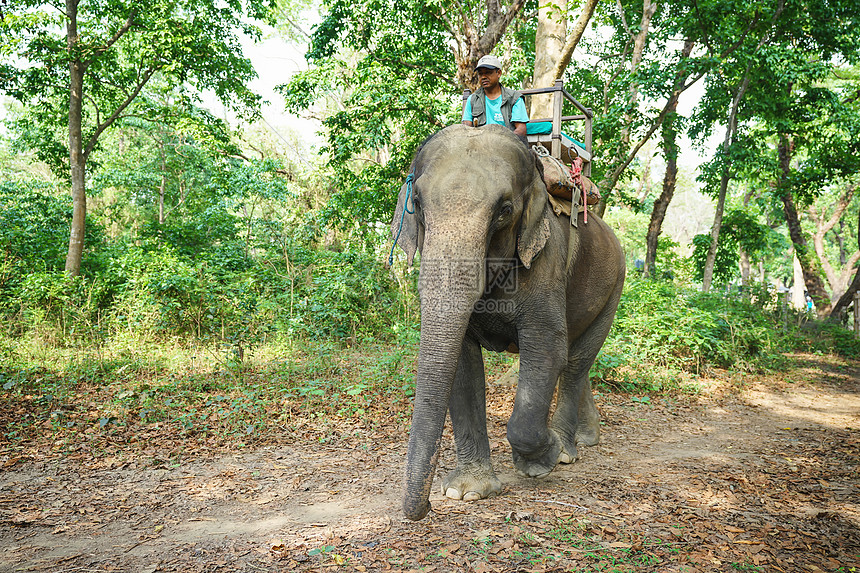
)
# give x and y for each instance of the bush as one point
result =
(344, 295)
(659, 324)
(828, 338)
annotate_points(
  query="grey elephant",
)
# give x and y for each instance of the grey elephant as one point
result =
(500, 270)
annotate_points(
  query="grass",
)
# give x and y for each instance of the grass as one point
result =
(193, 395)
(164, 403)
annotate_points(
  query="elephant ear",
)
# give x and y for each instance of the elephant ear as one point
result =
(534, 225)
(404, 226)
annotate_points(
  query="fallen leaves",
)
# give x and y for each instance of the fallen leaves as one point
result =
(717, 498)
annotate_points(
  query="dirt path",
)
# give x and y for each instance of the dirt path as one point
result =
(764, 477)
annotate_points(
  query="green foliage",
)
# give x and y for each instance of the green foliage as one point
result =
(54, 304)
(664, 326)
(124, 394)
(389, 68)
(350, 295)
(34, 225)
(121, 47)
(828, 338)
(725, 263)
(34, 233)
(740, 230)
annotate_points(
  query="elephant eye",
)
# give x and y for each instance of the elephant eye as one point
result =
(506, 210)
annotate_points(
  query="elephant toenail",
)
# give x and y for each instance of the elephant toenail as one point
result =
(453, 493)
(472, 496)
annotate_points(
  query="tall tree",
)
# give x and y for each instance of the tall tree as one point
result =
(729, 143)
(661, 204)
(805, 104)
(576, 32)
(670, 153)
(826, 220)
(382, 77)
(554, 47)
(845, 300)
(549, 41)
(88, 60)
(640, 73)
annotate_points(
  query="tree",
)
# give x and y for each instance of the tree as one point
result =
(661, 204)
(741, 232)
(550, 37)
(636, 82)
(826, 220)
(575, 36)
(554, 48)
(847, 297)
(670, 153)
(86, 78)
(805, 103)
(726, 152)
(383, 76)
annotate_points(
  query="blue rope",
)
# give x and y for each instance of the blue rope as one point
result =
(403, 215)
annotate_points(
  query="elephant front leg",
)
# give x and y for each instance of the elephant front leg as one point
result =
(474, 477)
(536, 448)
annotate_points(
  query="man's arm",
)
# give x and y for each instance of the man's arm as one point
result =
(467, 113)
(519, 117)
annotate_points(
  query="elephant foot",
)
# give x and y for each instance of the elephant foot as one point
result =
(539, 465)
(472, 482)
(570, 444)
(588, 436)
(568, 454)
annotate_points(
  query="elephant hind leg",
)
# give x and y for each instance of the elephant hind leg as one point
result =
(472, 481)
(576, 420)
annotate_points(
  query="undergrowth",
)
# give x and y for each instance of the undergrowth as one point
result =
(112, 402)
(124, 388)
(665, 335)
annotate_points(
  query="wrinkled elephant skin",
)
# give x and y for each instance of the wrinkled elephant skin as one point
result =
(500, 270)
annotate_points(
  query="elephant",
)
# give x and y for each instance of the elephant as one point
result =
(500, 270)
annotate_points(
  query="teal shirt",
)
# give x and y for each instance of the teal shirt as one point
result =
(494, 111)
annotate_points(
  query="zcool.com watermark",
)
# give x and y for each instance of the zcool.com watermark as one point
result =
(439, 277)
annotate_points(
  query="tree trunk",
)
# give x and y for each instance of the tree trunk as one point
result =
(806, 255)
(162, 188)
(724, 184)
(838, 280)
(845, 299)
(711, 259)
(745, 269)
(77, 158)
(575, 36)
(798, 288)
(470, 43)
(549, 41)
(661, 205)
(848, 296)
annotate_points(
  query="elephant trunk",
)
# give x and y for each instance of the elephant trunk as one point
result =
(447, 299)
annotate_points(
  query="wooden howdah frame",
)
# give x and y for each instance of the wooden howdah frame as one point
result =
(559, 145)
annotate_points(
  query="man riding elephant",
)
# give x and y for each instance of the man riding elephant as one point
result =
(476, 207)
(493, 103)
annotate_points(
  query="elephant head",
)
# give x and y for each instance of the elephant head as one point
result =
(474, 194)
